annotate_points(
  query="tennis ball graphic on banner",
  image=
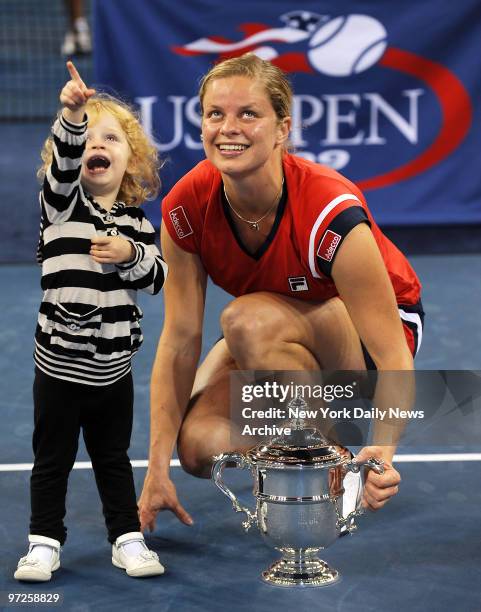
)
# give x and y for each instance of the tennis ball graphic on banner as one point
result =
(347, 45)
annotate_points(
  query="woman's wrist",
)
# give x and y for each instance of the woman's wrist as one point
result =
(159, 468)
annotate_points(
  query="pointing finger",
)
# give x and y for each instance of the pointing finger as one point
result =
(75, 75)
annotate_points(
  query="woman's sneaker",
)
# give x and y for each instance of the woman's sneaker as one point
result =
(39, 562)
(139, 561)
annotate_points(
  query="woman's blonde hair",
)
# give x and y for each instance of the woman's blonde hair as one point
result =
(276, 83)
(141, 179)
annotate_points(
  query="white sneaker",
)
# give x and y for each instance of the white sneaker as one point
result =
(83, 40)
(68, 45)
(78, 40)
(33, 569)
(145, 563)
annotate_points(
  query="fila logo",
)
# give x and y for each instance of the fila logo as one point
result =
(329, 243)
(180, 222)
(298, 283)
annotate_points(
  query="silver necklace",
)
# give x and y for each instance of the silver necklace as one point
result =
(255, 224)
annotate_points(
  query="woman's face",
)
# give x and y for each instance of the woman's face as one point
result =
(240, 129)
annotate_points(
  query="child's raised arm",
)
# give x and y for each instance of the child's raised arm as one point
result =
(62, 178)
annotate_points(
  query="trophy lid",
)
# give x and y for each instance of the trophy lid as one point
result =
(305, 444)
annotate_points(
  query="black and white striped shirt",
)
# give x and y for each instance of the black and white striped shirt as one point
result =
(89, 323)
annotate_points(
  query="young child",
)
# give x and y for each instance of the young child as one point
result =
(97, 248)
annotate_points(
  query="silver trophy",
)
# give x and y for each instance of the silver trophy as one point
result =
(308, 492)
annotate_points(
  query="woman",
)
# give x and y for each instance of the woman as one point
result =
(287, 238)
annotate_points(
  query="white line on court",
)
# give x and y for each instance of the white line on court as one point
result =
(437, 457)
(85, 465)
(78, 465)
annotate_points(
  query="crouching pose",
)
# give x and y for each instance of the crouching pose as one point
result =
(316, 284)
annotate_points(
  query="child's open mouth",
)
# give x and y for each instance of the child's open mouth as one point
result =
(98, 164)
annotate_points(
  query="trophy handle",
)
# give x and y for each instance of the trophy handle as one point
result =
(217, 471)
(374, 464)
(353, 466)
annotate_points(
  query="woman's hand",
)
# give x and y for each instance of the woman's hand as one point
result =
(378, 488)
(159, 494)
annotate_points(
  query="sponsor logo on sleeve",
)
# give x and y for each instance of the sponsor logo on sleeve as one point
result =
(180, 222)
(298, 283)
(329, 243)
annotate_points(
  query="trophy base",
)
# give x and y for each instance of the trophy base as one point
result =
(300, 570)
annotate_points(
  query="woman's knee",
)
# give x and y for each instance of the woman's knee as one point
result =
(194, 467)
(198, 445)
(250, 324)
(194, 463)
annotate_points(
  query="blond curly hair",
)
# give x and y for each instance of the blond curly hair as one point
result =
(143, 183)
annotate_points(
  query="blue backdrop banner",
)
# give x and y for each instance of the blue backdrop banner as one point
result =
(384, 92)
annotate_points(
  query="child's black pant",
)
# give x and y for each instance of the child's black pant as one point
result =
(105, 415)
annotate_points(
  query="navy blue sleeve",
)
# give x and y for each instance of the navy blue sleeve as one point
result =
(332, 238)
